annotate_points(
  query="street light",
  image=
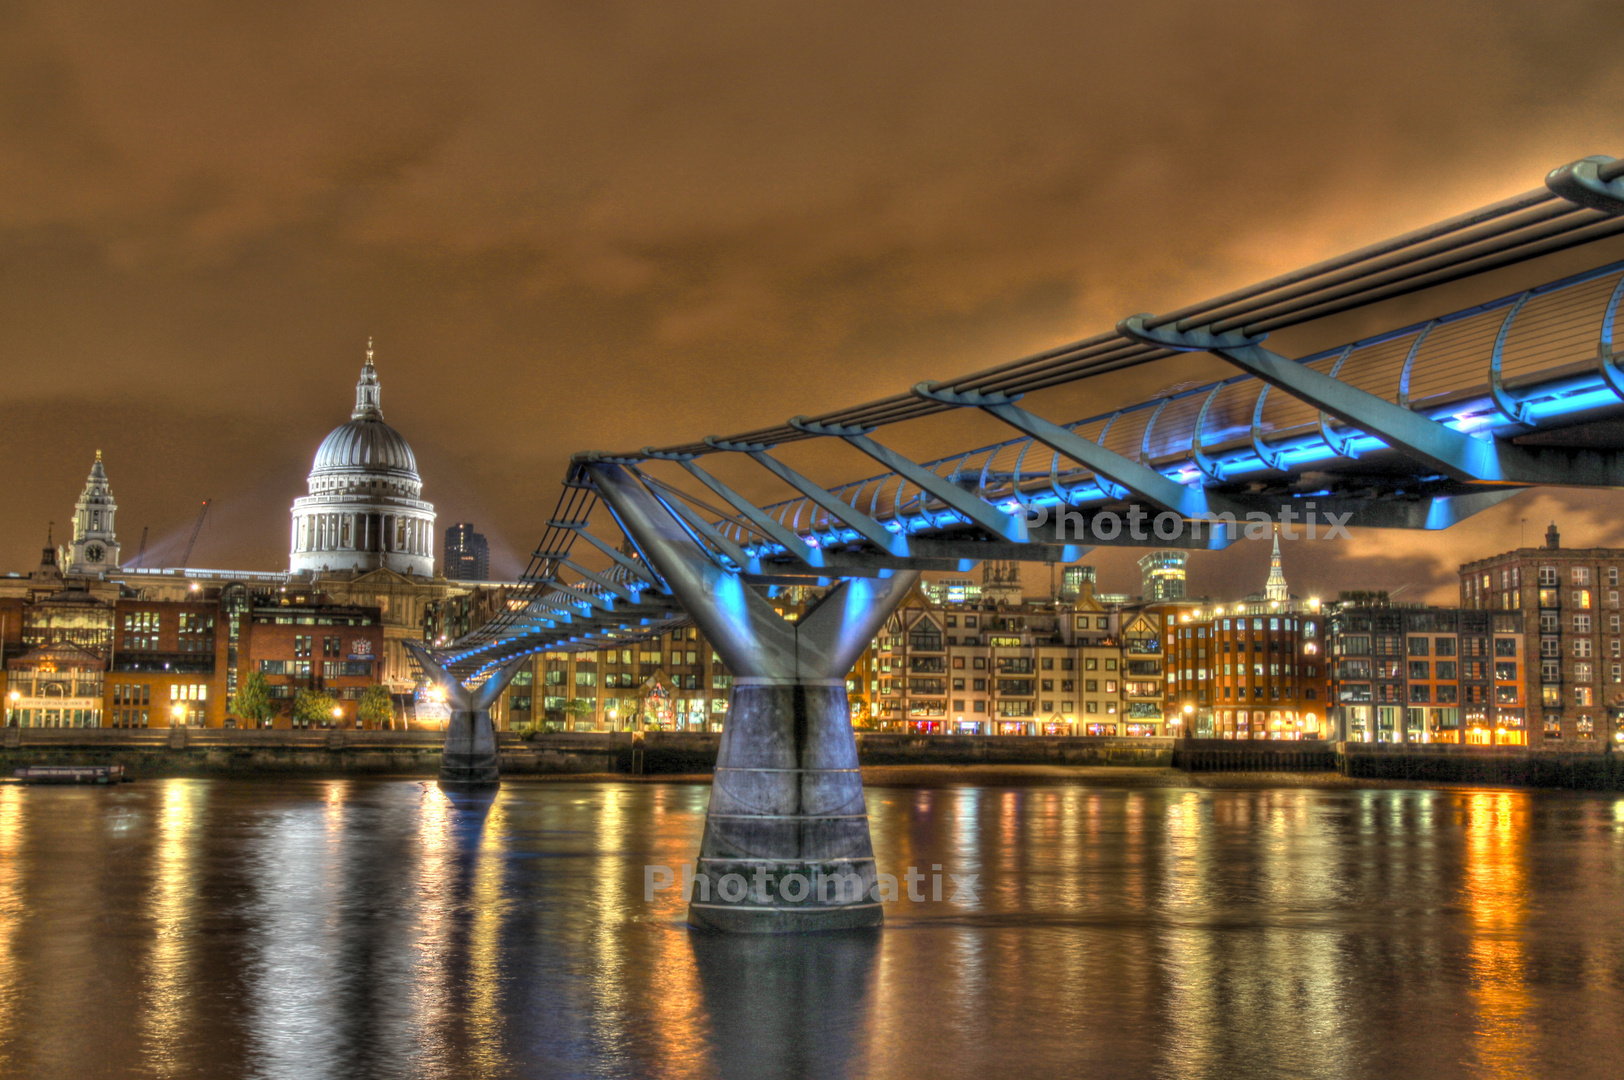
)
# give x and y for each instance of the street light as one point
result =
(178, 711)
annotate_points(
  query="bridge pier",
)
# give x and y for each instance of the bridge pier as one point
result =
(786, 846)
(469, 759)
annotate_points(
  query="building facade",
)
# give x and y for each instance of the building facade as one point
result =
(1417, 674)
(1566, 607)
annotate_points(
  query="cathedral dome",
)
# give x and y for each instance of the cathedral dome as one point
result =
(364, 509)
(365, 445)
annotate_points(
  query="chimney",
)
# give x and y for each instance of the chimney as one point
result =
(1553, 539)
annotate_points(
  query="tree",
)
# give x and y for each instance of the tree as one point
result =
(376, 706)
(253, 700)
(579, 707)
(314, 707)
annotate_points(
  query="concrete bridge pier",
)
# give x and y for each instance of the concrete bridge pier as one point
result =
(469, 758)
(786, 846)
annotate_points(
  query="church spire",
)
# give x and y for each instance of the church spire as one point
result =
(368, 394)
(1275, 587)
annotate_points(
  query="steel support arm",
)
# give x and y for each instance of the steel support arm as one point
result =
(758, 518)
(861, 523)
(1452, 452)
(1139, 479)
(620, 590)
(632, 565)
(976, 510)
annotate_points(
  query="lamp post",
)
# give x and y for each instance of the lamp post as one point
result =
(178, 711)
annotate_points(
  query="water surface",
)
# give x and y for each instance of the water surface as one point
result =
(313, 929)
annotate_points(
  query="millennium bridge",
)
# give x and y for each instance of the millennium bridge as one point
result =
(1415, 427)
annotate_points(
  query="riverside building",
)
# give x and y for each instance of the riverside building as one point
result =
(1417, 674)
(1564, 604)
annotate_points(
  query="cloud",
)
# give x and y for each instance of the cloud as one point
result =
(611, 225)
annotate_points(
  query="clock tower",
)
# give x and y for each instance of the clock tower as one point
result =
(95, 545)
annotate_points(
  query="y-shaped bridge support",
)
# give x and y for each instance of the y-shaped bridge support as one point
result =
(469, 757)
(786, 844)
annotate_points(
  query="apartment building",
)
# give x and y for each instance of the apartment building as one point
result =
(1416, 674)
(1566, 601)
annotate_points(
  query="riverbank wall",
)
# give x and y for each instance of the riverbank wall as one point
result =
(225, 752)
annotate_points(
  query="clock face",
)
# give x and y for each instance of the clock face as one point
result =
(94, 553)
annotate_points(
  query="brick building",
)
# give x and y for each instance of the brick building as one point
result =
(1249, 670)
(1567, 605)
(299, 641)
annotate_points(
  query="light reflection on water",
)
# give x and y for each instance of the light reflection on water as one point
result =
(358, 928)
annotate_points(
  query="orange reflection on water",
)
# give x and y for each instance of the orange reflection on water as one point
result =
(490, 907)
(172, 903)
(1496, 897)
(11, 915)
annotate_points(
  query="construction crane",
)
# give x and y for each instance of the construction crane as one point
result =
(141, 556)
(197, 528)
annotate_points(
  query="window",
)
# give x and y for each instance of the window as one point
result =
(1581, 624)
(1550, 671)
(1581, 575)
(978, 685)
(1581, 599)
(1506, 671)
(1418, 646)
(1067, 663)
(1584, 696)
(1418, 668)
(1420, 693)
(1445, 646)
(1505, 646)
(958, 684)
(979, 663)
(1549, 623)
(1110, 663)
(1048, 685)
(1581, 673)
(1091, 663)
(970, 622)
(1047, 663)
(302, 644)
(1446, 670)
(1549, 598)
(1581, 648)
(1547, 575)
(958, 663)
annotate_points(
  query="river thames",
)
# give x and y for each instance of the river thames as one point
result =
(358, 928)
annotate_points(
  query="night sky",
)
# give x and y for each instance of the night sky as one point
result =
(599, 226)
